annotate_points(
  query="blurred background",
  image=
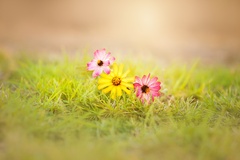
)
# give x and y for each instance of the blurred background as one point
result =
(169, 30)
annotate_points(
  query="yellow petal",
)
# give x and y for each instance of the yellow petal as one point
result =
(128, 79)
(113, 92)
(120, 70)
(129, 85)
(112, 74)
(125, 89)
(115, 69)
(119, 91)
(106, 76)
(103, 85)
(125, 74)
(108, 89)
(103, 80)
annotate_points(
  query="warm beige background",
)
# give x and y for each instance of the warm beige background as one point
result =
(184, 29)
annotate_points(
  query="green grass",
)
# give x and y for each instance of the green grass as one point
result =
(51, 109)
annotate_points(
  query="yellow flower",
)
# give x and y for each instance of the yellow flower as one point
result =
(115, 82)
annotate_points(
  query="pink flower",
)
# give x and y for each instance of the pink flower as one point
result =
(146, 88)
(100, 63)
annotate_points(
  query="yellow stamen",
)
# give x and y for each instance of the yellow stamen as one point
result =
(116, 81)
(145, 89)
(100, 63)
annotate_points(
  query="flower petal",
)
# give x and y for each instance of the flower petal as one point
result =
(120, 70)
(155, 88)
(128, 91)
(139, 92)
(106, 76)
(106, 63)
(112, 59)
(119, 91)
(127, 84)
(97, 72)
(136, 85)
(107, 69)
(104, 80)
(91, 66)
(128, 79)
(103, 85)
(153, 81)
(113, 92)
(144, 80)
(108, 89)
(115, 69)
(153, 85)
(138, 80)
(125, 74)
(102, 54)
(109, 58)
(97, 54)
(147, 97)
(155, 94)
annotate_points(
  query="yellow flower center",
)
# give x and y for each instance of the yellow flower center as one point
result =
(116, 81)
(145, 89)
(100, 63)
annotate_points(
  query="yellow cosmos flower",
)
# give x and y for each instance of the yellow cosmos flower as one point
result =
(115, 82)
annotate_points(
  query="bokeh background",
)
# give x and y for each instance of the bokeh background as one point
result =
(170, 30)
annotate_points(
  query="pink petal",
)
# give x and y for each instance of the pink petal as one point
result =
(112, 59)
(144, 80)
(107, 69)
(139, 92)
(148, 78)
(136, 85)
(138, 80)
(91, 66)
(97, 72)
(155, 94)
(106, 63)
(153, 98)
(102, 51)
(155, 85)
(155, 88)
(96, 54)
(147, 97)
(107, 56)
(141, 97)
(153, 81)
(102, 54)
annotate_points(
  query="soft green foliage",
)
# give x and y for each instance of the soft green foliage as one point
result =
(53, 110)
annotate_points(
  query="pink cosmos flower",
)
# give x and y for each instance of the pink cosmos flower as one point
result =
(100, 63)
(146, 88)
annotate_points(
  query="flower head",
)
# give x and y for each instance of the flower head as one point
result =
(100, 63)
(146, 88)
(115, 82)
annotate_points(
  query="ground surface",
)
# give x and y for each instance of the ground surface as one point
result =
(53, 110)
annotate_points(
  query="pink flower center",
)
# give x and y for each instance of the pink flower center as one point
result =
(116, 81)
(100, 63)
(145, 89)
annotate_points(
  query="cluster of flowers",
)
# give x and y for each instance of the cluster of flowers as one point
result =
(115, 80)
